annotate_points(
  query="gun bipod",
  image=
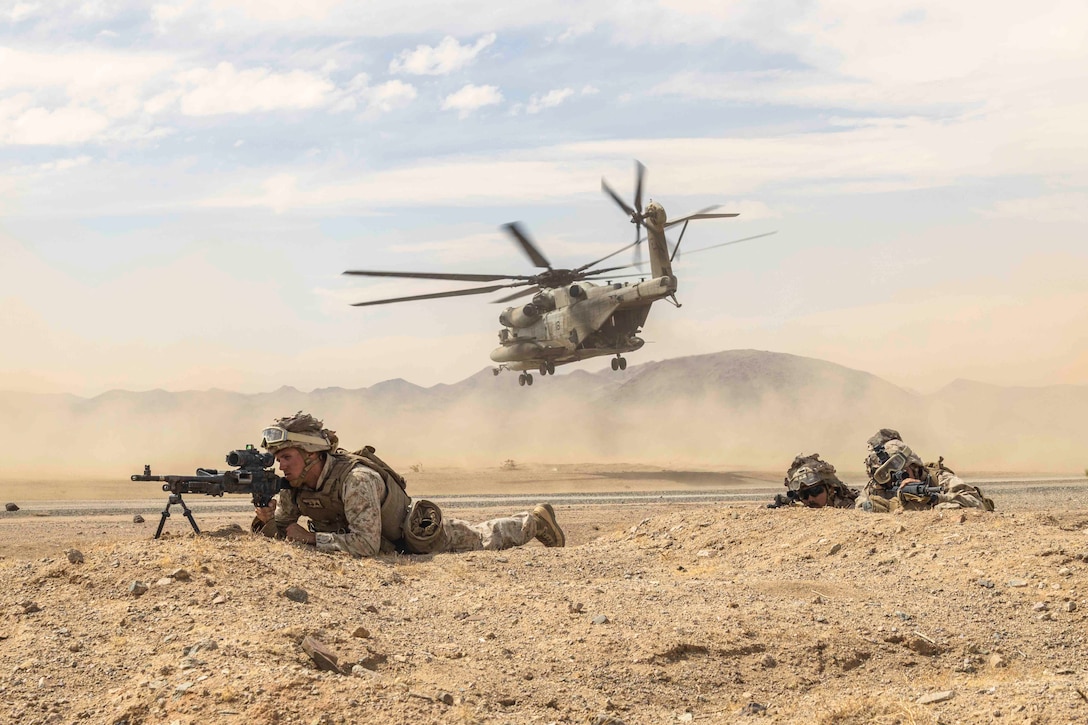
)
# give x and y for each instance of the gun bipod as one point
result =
(175, 498)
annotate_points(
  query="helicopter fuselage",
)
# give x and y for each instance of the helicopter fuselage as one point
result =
(577, 322)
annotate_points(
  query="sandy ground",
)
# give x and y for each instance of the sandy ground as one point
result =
(654, 613)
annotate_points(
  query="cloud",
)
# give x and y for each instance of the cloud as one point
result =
(442, 59)
(551, 99)
(481, 180)
(208, 92)
(72, 96)
(374, 100)
(65, 164)
(86, 74)
(231, 15)
(963, 322)
(469, 248)
(1051, 208)
(471, 98)
(22, 124)
(390, 95)
(910, 153)
(572, 33)
(925, 56)
(22, 11)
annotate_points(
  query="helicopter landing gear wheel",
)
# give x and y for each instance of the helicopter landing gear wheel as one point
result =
(543, 368)
(551, 368)
(528, 378)
(623, 363)
(615, 363)
(521, 379)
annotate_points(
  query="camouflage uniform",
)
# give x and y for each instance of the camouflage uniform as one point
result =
(361, 492)
(808, 471)
(361, 511)
(884, 497)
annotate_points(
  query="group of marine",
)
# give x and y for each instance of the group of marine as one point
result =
(898, 480)
(356, 503)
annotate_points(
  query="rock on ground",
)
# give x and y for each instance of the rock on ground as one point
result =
(631, 623)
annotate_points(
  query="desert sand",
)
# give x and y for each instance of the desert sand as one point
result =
(655, 612)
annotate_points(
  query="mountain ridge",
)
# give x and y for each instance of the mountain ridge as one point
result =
(485, 373)
(734, 408)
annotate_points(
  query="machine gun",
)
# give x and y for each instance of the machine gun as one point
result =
(252, 474)
(781, 500)
(920, 490)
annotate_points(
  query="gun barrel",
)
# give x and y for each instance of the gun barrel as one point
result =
(260, 483)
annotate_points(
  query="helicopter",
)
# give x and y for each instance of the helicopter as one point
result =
(572, 316)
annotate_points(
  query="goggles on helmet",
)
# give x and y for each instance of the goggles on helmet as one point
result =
(278, 436)
(810, 492)
(896, 462)
(802, 478)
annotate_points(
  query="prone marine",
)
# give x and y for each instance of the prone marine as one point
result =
(357, 504)
(813, 483)
(899, 480)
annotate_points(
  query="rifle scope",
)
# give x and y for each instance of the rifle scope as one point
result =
(249, 458)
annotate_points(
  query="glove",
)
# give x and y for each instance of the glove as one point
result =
(917, 489)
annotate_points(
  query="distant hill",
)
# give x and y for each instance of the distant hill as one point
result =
(737, 408)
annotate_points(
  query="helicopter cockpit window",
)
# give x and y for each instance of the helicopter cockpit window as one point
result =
(544, 301)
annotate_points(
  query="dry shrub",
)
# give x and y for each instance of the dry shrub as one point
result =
(227, 694)
(873, 711)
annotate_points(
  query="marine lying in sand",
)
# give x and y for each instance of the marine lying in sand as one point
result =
(898, 480)
(813, 483)
(357, 504)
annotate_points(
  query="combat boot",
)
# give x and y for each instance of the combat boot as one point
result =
(548, 531)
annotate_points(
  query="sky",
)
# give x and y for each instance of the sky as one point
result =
(182, 183)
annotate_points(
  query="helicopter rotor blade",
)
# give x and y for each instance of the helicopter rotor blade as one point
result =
(602, 271)
(436, 295)
(616, 198)
(735, 241)
(435, 275)
(520, 293)
(644, 275)
(592, 275)
(698, 215)
(640, 172)
(530, 249)
(607, 256)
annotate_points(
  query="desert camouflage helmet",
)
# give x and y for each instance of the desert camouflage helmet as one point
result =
(300, 430)
(888, 455)
(803, 477)
(806, 471)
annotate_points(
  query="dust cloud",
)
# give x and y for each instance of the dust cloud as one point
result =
(736, 410)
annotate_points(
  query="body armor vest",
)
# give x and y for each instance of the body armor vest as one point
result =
(325, 506)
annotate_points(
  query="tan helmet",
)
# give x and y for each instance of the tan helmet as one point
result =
(807, 471)
(300, 430)
(888, 456)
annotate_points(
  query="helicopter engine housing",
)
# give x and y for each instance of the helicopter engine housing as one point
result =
(520, 316)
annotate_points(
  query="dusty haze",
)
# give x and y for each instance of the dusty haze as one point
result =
(734, 410)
